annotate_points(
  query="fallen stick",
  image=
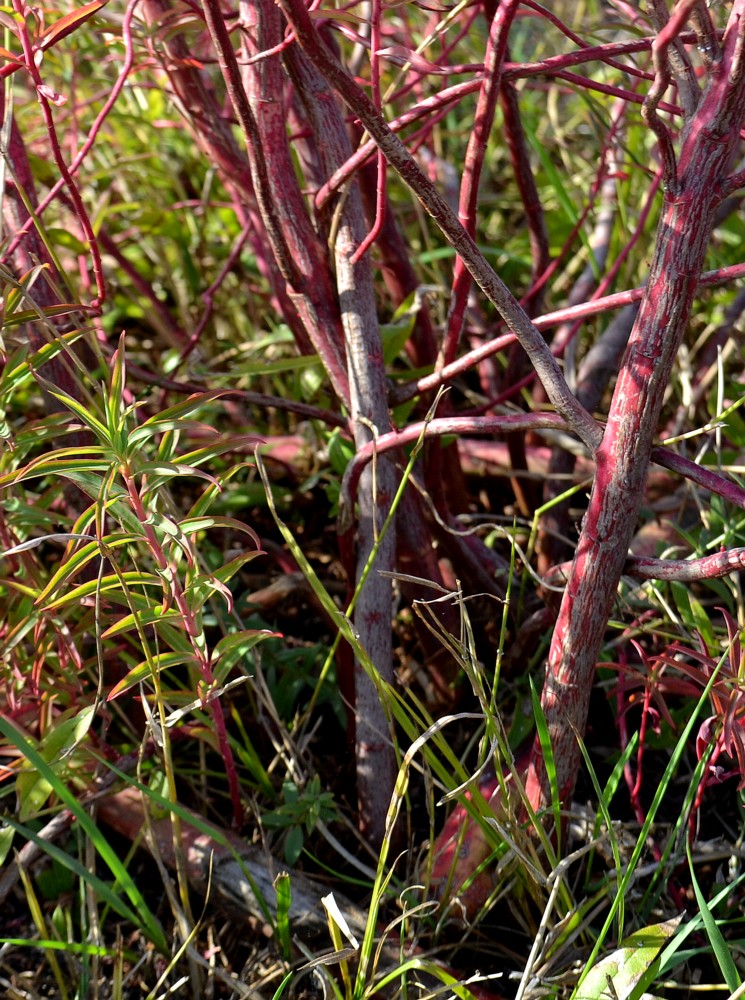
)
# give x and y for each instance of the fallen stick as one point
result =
(236, 876)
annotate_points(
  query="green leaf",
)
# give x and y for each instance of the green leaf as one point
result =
(114, 400)
(59, 741)
(692, 612)
(73, 947)
(190, 525)
(229, 570)
(221, 444)
(185, 408)
(283, 889)
(113, 582)
(619, 974)
(340, 450)
(394, 336)
(6, 842)
(102, 889)
(548, 755)
(294, 844)
(82, 412)
(144, 670)
(55, 466)
(80, 558)
(19, 365)
(716, 940)
(148, 616)
(277, 367)
(144, 918)
(160, 473)
(235, 646)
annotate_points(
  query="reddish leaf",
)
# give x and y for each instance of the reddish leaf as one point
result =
(68, 23)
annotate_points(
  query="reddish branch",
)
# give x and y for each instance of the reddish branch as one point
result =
(398, 157)
(683, 570)
(554, 66)
(694, 190)
(483, 124)
(594, 307)
(297, 253)
(212, 133)
(434, 428)
(708, 568)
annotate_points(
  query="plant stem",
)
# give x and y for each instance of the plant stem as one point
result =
(683, 233)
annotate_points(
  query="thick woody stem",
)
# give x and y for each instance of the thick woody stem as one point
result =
(295, 249)
(368, 393)
(623, 456)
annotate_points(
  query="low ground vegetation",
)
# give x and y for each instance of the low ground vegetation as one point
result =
(371, 504)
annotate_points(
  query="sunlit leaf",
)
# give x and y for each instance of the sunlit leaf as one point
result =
(59, 741)
(283, 889)
(144, 670)
(69, 22)
(114, 400)
(79, 409)
(234, 647)
(69, 567)
(193, 524)
(131, 578)
(616, 976)
(150, 616)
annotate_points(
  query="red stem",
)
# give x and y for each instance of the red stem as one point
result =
(80, 209)
(483, 124)
(623, 456)
(398, 156)
(594, 307)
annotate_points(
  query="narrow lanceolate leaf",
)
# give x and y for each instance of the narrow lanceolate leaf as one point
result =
(165, 419)
(283, 889)
(221, 444)
(20, 364)
(620, 973)
(34, 543)
(56, 464)
(149, 616)
(716, 938)
(81, 558)
(68, 23)
(50, 312)
(114, 400)
(229, 570)
(79, 409)
(32, 788)
(132, 579)
(144, 670)
(172, 532)
(192, 524)
(126, 884)
(163, 471)
(233, 647)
